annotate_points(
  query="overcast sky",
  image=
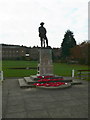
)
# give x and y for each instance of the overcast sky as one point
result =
(20, 19)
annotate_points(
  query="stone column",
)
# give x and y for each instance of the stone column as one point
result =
(45, 66)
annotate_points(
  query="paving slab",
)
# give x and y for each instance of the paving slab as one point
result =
(15, 108)
(44, 103)
(38, 114)
(59, 113)
(16, 115)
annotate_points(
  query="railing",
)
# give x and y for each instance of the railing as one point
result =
(83, 74)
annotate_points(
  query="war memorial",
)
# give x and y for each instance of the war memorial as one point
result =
(45, 77)
(44, 95)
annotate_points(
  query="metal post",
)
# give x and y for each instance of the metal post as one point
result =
(73, 71)
(1, 75)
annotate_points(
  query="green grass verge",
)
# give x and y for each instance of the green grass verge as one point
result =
(59, 68)
(64, 69)
(18, 73)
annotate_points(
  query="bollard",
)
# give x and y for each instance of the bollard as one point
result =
(73, 73)
(1, 75)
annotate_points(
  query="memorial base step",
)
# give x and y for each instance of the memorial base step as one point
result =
(28, 80)
(24, 84)
(76, 82)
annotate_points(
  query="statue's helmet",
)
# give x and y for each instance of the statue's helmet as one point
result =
(42, 23)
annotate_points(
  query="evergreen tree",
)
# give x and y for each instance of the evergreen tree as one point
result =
(68, 42)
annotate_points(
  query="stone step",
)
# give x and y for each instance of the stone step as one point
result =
(24, 84)
(33, 77)
(76, 82)
(29, 80)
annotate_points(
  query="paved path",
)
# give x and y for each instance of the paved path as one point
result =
(42, 103)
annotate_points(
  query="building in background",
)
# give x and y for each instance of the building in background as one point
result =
(16, 52)
(13, 52)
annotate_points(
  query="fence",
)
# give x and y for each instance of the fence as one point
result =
(81, 74)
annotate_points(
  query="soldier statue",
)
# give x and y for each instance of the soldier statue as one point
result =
(42, 35)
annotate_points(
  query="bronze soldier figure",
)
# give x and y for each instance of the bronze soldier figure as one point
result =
(42, 35)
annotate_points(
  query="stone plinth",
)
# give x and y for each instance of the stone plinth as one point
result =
(45, 66)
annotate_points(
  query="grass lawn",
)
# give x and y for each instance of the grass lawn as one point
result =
(64, 69)
(19, 72)
(61, 69)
